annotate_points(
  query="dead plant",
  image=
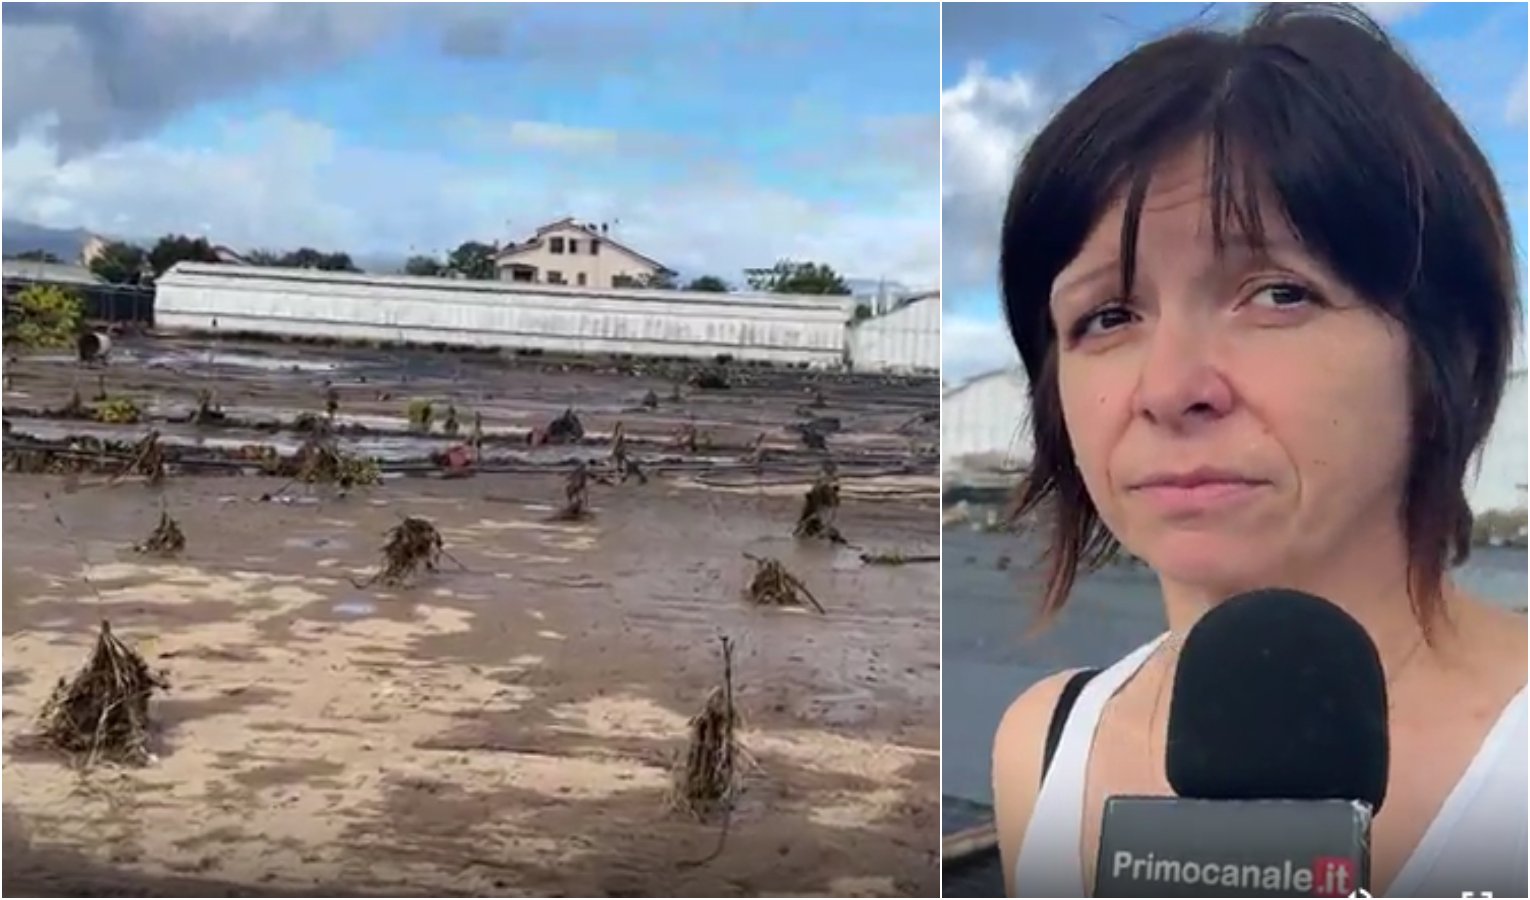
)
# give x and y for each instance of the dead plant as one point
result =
(166, 539)
(773, 585)
(103, 714)
(413, 544)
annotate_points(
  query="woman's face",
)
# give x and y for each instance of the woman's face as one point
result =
(1242, 420)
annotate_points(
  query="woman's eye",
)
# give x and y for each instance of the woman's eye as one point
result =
(1103, 320)
(1284, 295)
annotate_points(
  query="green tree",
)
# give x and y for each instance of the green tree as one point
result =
(174, 248)
(45, 315)
(653, 281)
(38, 256)
(427, 266)
(119, 263)
(709, 283)
(337, 262)
(474, 259)
(791, 277)
(263, 258)
(303, 258)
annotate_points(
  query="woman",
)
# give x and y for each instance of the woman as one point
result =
(1263, 286)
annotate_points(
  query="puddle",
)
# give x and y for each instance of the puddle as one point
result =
(315, 543)
(354, 608)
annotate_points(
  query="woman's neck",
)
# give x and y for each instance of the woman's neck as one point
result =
(1371, 586)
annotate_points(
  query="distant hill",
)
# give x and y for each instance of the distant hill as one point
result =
(19, 237)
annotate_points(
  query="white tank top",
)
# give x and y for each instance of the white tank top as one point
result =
(1477, 842)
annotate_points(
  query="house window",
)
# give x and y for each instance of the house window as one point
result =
(554, 277)
(573, 245)
(555, 245)
(582, 281)
(594, 246)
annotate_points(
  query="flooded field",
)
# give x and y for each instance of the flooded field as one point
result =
(507, 726)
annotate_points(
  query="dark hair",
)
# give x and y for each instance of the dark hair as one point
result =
(1375, 175)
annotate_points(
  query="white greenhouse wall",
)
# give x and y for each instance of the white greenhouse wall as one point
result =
(904, 340)
(769, 328)
(1501, 483)
(983, 423)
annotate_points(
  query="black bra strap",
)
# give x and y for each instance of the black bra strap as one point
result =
(1065, 701)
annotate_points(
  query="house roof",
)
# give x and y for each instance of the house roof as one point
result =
(568, 222)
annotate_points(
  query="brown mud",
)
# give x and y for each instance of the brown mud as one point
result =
(506, 727)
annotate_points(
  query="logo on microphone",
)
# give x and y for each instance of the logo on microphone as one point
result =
(1327, 876)
(1333, 876)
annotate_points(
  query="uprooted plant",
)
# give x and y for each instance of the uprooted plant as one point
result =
(166, 539)
(820, 506)
(707, 779)
(413, 544)
(773, 585)
(103, 713)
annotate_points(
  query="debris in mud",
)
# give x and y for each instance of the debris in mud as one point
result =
(1003, 562)
(711, 378)
(92, 348)
(475, 440)
(708, 779)
(450, 426)
(118, 411)
(626, 466)
(691, 439)
(897, 558)
(104, 712)
(412, 544)
(819, 507)
(332, 402)
(310, 423)
(167, 539)
(74, 409)
(576, 493)
(421, 415)
(147, 459)
(321, 461)
(919, 422)
(566, 429)
(208, 410)
(650, 400)
(816, 430)
(818, 401)
(773, 585)
(756, 455)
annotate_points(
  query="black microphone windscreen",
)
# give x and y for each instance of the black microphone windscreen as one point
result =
(1279, 695)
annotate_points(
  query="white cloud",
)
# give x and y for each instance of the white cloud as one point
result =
(1515, 107)
(986, 122)
(536, 136)
(972, 345)
(282, 182)
(1390, 13)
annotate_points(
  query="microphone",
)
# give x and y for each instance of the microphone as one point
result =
(1278, 752)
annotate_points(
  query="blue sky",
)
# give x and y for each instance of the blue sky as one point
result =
(717, 136)
(1007, 68)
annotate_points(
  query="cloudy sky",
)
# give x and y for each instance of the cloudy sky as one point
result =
(718, 137)
(1007, 68)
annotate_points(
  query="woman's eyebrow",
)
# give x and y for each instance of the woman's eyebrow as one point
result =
(1073, 282)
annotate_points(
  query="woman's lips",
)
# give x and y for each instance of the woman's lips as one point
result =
(1186, 498)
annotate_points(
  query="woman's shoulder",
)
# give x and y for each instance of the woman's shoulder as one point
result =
(1019, 746)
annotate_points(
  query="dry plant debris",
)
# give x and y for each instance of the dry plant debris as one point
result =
(321, 461)
(773, 585)
(166, 539)
(819, 507)
(708, 777)
(103, 714)
(412, 544)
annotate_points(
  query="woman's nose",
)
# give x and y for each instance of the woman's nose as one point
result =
(1181, 384)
